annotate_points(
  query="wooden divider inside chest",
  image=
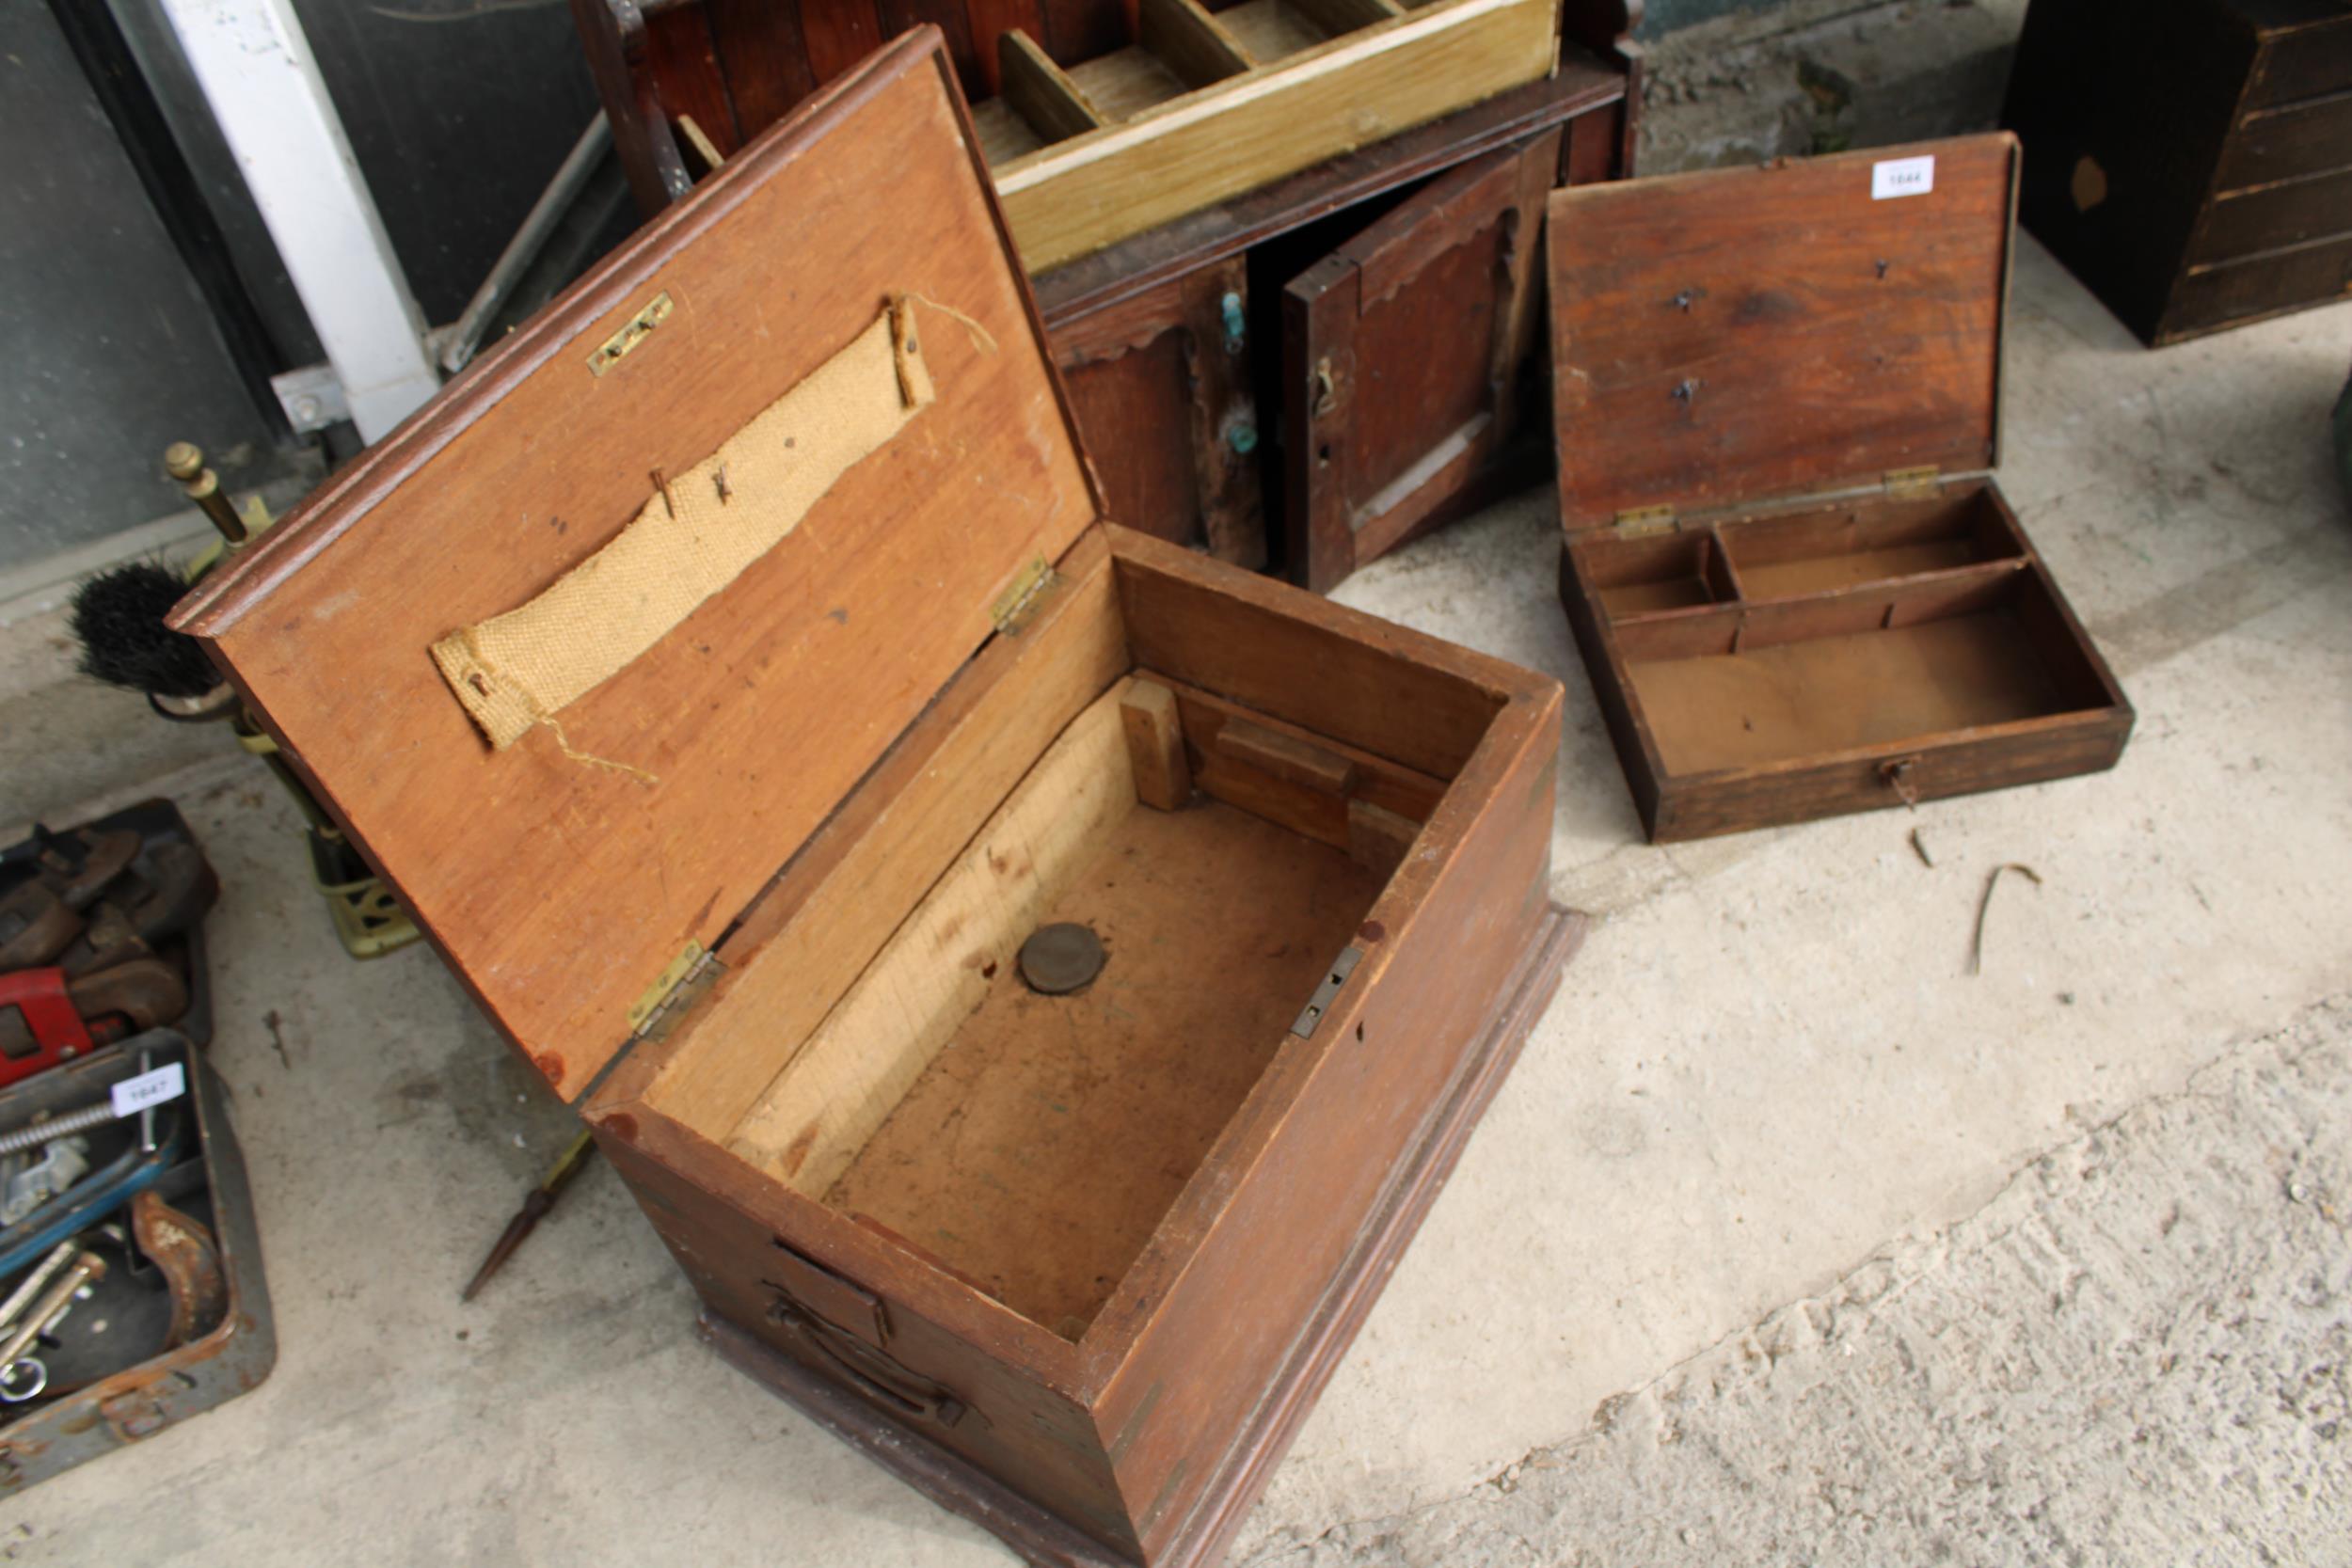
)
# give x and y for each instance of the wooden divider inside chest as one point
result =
(1029, 1144)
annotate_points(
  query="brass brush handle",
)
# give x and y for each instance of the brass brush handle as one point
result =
(185, 461)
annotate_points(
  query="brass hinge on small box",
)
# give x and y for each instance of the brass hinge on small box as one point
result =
(1022, 596)
(1635, 521)
(1913, 483)
(675, 991)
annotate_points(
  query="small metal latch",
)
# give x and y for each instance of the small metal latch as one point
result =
(1319, 1004)
(677, 987)
(1019, 600)
(1635, 521)
(1912, 484)
(639, 328)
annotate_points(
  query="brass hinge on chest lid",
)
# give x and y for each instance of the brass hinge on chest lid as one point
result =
(1635, 521)
(674, 992)
(1913, 483)
(1022, 596)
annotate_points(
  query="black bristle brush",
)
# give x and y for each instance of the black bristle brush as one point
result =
(119, 617)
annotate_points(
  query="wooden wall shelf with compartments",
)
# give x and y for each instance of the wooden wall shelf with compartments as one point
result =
(1797, 588)
(755, 898)
(2191, 164)
(1298, 376)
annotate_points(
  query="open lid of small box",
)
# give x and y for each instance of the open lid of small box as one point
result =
(817, 391)
(1801, 329)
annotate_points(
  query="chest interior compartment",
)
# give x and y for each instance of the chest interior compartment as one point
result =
(1767, 638)
(878, 1048)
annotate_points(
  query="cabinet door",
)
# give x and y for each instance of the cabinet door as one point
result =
(1402, 358)
(1160, 384)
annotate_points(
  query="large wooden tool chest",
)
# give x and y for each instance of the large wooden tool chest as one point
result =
(2190, 162)
(1796, 586)
(1300, 375)
(1077, 1262)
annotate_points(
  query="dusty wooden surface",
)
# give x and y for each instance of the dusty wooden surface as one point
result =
(1050, 1134)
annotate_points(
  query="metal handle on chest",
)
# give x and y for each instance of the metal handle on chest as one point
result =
(880, 1378)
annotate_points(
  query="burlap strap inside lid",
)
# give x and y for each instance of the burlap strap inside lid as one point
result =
(697, 533)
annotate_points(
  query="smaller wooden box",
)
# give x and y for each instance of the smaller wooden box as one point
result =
(1796, 586)
(2191, 161)
(1075, 1263)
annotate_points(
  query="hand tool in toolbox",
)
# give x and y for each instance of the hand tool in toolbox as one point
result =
(100, 935)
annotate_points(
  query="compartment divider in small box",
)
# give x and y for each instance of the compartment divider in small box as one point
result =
(1869, 542)
(1723, 575)
(1728, 628)
(1661, 574)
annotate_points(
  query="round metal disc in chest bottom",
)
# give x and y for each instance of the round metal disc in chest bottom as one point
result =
(1061, 957)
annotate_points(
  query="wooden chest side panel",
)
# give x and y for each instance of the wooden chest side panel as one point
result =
(1739, 334)
(1438, 947)
(742, 1243)
(1612, 682)
(560, 888)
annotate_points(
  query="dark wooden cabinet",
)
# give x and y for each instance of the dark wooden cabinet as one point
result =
(1353, 352)
(1296, 379)
(2194, 168)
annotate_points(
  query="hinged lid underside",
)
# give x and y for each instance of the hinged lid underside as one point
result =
(1746, 335)
(558, 886)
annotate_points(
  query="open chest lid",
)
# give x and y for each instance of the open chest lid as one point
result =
(1806, 328)
(806, 425)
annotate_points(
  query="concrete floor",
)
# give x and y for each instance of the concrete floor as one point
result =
(1770, 1148)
